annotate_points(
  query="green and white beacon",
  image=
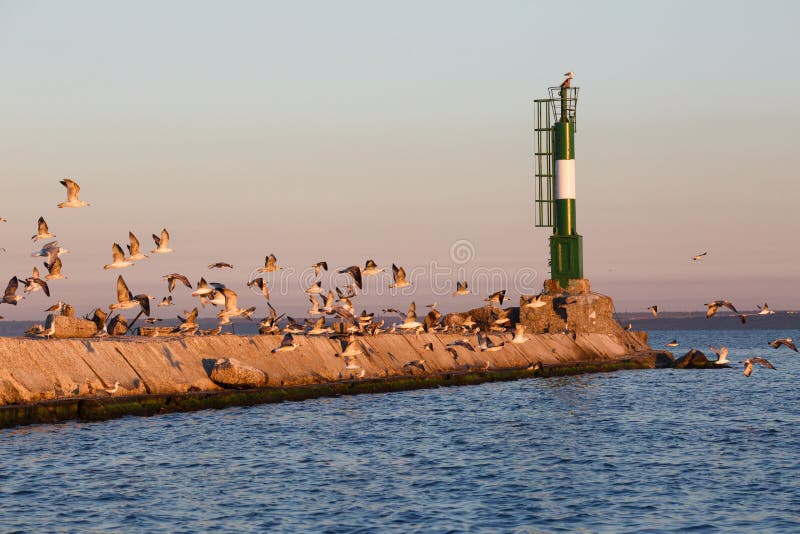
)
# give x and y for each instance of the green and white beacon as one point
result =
(554, 128)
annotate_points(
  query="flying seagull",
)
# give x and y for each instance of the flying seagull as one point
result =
(654, 310)
(319, 265)
(399, 275)
(497, 296)
(673, 343)
(355, 273)
(519, 334)
(118, 258)
(134, 254)
(287, 344)
(785, 341)
(125, 299)
(748, 364)
(42, 232)
(220, 265)
(174, 278)
(114, 389)
(764, 310)
(315, 289)
(166, 301)
(72, 195)
(461, 289)
(34, 283)
(698, 257)
(715, 305)
(534, 301)
(10, 296)
(54, 270)
(722, 355)
(261, 284)
(371, 268)
(270, 265)
(51, 251)
(162, 243)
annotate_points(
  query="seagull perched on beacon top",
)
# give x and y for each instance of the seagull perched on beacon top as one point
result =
(568, 82)
(72, 195)
(42, 231)
(162, 243)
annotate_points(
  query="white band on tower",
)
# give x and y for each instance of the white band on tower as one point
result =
(565, 178)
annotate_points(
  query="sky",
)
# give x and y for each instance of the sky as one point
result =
(401, 132)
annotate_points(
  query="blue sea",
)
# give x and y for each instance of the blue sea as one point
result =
(629, 451)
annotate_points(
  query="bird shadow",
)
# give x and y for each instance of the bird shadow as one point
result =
(208, 365)
(170, 358)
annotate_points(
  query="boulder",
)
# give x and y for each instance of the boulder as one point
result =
(231, 373)
(694, 359)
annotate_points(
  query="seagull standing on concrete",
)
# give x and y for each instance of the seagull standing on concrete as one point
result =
(410, 322)
(162, 243)
(72, 195)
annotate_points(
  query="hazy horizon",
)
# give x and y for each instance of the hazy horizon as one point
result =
(395, 132)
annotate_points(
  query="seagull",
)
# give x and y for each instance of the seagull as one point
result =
(715, 305)
(162, 243)
(126, 300)
(534, 301)
(462, 343)
(114, 389)
(567, 83)
(399, 275)
(231, 305)
(118, 257)
(654, 310)
(133, 248)
(764, 310)
(34, 283)
(3, 219)
(428, 346)
(220, 265)
(261, 284)
(371, 268)
(314, 307)
(698, 257)
(485, 344)
(461, 289)
(188, 323)
(50, 328)
(315, 289)
(748, 364)
(51, 251)
(722, 355)
(497, 296)
(351, 292)
(153, 320)
(673, 343)
(287, 344)
(270, 265)
(785, 341)
(166, 301)
(54, 270)
(10, 296)
(742, 317)
(55, 307)
(327, 306)
(42, 231)
(319, 328)
(355, 273)
(174, 278)
(319, 265)
(72, 195)
(351, 348)
(410, 321)
(203, 289)
(519, 334)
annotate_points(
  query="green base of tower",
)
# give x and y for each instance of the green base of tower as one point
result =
(566, 258)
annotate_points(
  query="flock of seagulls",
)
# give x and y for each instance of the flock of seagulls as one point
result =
(331, 312)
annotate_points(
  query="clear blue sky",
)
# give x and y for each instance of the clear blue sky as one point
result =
(350, 130)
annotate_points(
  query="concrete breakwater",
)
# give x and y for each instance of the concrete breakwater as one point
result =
(39, 371)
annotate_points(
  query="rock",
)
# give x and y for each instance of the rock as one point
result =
(67, 327)
(231, 373)
(694, 359)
